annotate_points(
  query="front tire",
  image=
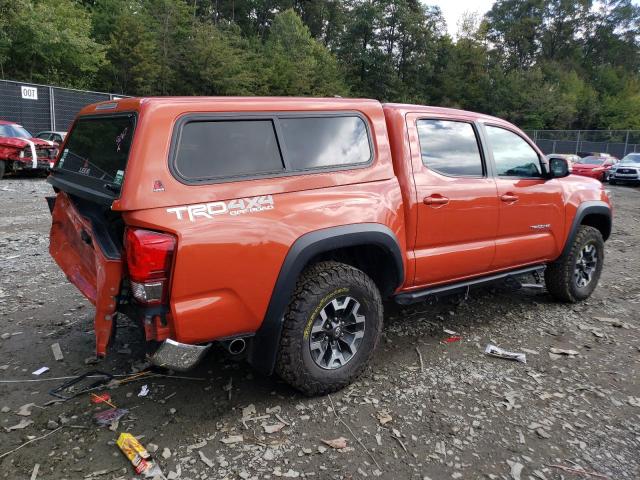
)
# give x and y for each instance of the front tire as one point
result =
(612, 181)
(574, 276)
(331, 328)
(3, 166)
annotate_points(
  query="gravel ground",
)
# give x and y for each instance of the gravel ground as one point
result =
(425, 409)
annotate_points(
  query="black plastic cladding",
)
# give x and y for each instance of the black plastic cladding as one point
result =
(267, 340)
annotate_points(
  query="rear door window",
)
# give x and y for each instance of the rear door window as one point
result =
(222, 149)
(98, 149)
(450, 148)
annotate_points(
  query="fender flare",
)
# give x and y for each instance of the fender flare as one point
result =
(597, 207)
(265, 343)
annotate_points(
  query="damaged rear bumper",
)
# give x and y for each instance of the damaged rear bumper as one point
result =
(178, 356)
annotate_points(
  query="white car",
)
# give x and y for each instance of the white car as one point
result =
(626, 171)
(57, 137)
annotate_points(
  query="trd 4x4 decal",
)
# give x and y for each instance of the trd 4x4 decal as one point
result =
(233, 207)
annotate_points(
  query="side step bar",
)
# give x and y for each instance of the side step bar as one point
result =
(420, 295)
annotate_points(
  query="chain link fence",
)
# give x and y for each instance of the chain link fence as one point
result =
(44, 107)
(615, 142)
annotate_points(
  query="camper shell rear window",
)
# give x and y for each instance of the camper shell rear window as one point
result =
(94, 157)
(222, 148)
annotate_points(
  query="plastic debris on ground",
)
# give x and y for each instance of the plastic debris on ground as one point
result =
(57, 352)
(101, 398)
(498, 352)
(107, 417)
(40, 371)
(144, 391)
(452, 339)
(139, 457)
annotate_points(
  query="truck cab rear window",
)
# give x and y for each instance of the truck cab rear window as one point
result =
(271, 145)
(98, 148)
(221, 149)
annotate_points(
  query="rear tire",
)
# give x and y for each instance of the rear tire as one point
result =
(2, 168)
(574, 276)
(331, 328)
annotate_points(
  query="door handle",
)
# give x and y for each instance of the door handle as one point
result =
(509, 197)
(436, 199)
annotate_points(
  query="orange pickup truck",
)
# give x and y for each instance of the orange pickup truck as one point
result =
(277, 226)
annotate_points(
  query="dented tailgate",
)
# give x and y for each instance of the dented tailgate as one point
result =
(90, 261)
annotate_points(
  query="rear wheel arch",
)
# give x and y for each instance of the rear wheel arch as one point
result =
(350, 244)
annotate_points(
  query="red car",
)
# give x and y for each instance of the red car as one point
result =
(19, 150)
(594, 167)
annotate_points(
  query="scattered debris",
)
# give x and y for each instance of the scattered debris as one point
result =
(108, 417)
(516, 469)
(420, 360)
(102, 398)
(231, 439)
(166, 453)
(24, 423)
(452, 339)
(57, 352)
(383, 417)
(40, 371)
(70, 387)
(144, 391)
(498, 352)
(34, 473)
(30, 441)
(25, 410)
(555, 353)
(273, 428)
(205, 459)
(141, 460)
(338, 443)
(579, 471)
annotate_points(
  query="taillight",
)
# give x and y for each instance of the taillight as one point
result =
(149, 259)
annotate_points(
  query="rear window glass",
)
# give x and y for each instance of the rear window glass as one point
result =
(450, 148)
(99, 148)
(213, 149)
(318, 142)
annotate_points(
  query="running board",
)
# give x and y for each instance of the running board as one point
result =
(420, 295)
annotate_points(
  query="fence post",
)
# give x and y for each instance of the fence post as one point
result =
(626, 143)
(52, 110)
(578, 143)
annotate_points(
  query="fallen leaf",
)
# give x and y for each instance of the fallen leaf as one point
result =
(383, 417)
(232, 439)
(338, 443)
(562, 351)
(24, 423)
(25, 410)
(273, 428)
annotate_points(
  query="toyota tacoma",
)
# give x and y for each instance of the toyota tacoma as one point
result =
(277, 226)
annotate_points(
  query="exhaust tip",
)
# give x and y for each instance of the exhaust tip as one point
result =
(236, 346)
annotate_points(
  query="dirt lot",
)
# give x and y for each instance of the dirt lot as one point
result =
(460, 415)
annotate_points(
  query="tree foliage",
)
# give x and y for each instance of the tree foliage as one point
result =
(539, 63)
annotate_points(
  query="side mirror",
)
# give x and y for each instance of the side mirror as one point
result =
(558, 168)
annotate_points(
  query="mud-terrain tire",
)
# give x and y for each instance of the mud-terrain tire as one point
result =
(330, 299)
(566, 278)
(3, 165)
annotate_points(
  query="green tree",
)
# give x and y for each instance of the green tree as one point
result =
(296, 63)
(49, 42)
(132, 55)
(220, 62)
